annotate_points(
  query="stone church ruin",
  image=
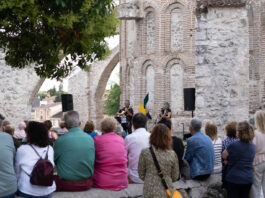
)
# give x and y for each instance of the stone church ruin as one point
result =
(214, 46)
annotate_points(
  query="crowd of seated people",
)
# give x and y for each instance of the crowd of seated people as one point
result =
(85, 159)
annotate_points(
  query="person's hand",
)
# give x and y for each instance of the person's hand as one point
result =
(225, 162)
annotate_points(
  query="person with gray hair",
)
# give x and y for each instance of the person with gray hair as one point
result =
(74, 156)
(71, 119)
(200, 152)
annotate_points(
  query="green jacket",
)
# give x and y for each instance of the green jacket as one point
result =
(74, 155)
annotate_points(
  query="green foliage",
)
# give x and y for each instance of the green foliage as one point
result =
(53, 92)
(112, 103)
(42, 95)
(59, 93)
(45, 31)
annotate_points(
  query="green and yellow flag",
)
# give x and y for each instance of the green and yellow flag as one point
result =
(142, 109)
(146, 99)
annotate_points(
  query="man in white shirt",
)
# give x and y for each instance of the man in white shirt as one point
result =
(135, 142)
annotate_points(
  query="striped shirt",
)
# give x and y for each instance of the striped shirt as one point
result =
(217, 145)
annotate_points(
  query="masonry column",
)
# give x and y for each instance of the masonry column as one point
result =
(222, 62)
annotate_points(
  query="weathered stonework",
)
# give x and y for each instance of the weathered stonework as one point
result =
(176, 30)
(217, 53)
(17, 91)
(210, 188)
(88, 88)
(158, 54)
(222, 65)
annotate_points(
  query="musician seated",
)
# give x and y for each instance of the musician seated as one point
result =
(165, 111)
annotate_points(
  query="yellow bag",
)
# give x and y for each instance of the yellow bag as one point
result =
(176, 194)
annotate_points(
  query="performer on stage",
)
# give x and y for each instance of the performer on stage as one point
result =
(126, 114)
(165, 111)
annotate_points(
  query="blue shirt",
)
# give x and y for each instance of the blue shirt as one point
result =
(93, 134)
(200, 154)
(242, 170)
(8, 179)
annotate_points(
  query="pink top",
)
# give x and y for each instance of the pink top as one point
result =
(259, 142)
(110, 170)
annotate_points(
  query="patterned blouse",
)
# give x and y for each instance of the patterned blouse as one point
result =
(227, 141)
(168, 162)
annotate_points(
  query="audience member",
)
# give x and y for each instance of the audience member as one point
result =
(111, 158)
(230, 129)
(20, 133)
(10, 130)
(211, 131)
(8, 180)
(4, 123)
(52, 135)
(74, 157)
(119, 130)
(62, 130)
(259, 160)
(177, 143)
(240, 156)
(160, 141)
(135, 143)
(200, 152)
(90, 129)
(26, 158)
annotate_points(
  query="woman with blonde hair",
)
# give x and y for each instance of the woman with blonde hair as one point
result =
(110, 169)
(211, 131)
(259, 160)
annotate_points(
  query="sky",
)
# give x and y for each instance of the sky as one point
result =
(114, 77)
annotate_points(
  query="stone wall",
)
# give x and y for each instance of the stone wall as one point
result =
(18, 87)
(222, 65)
(79, 87)
(88, 88)
(210, 188)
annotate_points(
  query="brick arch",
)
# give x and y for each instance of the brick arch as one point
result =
(108, 66)
(143, 28)
(167, 4)
(185, 12)
(167, 70)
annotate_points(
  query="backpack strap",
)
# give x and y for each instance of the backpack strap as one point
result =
(159, 171)
(35, 151)
(46, 156)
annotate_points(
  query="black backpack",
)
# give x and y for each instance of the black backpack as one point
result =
(42, 172)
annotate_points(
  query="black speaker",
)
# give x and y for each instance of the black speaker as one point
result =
(67, 102)
(189, 99)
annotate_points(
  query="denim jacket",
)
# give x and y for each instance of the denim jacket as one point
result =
(200, 154)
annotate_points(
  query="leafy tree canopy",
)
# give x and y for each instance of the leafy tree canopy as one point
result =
(112, 103)
(45, 31)
(53, 92)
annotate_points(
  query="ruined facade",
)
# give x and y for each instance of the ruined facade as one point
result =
(215, 46)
